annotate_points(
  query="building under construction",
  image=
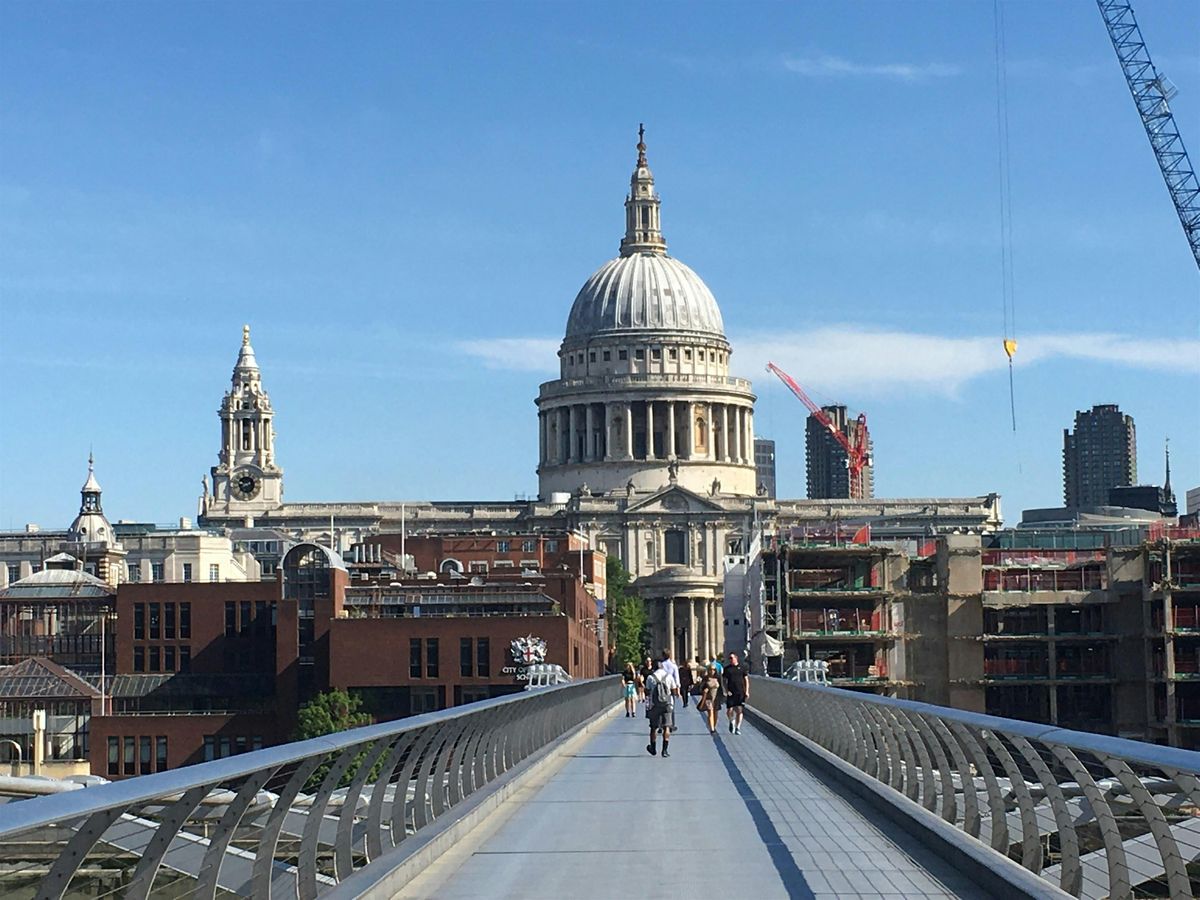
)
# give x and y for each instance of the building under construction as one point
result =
(826, 459)
(1097, 631)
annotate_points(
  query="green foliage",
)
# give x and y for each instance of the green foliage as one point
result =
(329, 713)
(626, 616)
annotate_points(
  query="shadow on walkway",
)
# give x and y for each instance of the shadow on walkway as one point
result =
(789, 873)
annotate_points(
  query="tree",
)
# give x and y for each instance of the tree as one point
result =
(626, 616)
(328, 713)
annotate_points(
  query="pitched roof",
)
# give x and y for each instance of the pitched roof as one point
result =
(40, 677)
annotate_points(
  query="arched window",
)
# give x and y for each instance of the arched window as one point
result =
(452, 567)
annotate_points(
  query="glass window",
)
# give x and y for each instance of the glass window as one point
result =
(139, 659)
(230, 618)
(260, 617)
(639, 353)
(210, 747)
(114, 755)
(133, 573)
(169, 621)
(156, 571)
(622, 354)
(187, 572)
(155, 658)
(145, 748)
(214, 572)
(675, 548)
(608, 356)
(464, 657)
(169, 658)
(256, 742)
(592, 356)
(414, 658)
(160, 753)
(185, 658)
(502, 546)
(431, 657)
(225, 748)
(155, 621)
(245, 614)
(185, 620)
(129, 763)
(656, 353)
(528, 546)
(483, 657)
(239, 745)
(139, 621)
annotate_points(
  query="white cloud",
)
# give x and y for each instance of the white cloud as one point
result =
(514, 354)
(825, 66)
(883, 362)
(873, 362)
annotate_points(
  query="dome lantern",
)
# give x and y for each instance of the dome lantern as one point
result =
(643, 225)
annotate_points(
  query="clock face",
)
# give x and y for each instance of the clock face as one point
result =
(245, 486)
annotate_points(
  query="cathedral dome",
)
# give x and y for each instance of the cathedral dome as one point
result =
(644, 292)
(643, 289)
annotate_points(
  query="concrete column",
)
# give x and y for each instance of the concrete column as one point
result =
(627, 409)
(560, 446)
(725, 432)
(712, 432)
(739, 434)
(749, 435)
(714, 628)
(541, 439)
(589, 440)
(649, 429)
(670, 428)
(671, 625)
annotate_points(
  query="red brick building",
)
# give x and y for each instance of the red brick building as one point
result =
(204, 670)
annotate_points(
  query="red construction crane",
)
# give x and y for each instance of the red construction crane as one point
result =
(857, 454)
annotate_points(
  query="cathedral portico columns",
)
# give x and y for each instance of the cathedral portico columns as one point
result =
(671, 623)
(572, 424)
(689, 431)
(693, 644)
(725, 432)
(712, 432)
(627, 412)
(589, 440)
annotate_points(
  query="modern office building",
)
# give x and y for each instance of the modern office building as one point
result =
(764, 466)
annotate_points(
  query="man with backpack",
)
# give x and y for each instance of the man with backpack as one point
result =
(662, 687)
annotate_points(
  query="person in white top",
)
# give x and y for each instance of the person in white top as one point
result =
(662, 687)
(669, 664)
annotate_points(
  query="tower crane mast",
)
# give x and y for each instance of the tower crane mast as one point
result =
(1152, 94)
(858, 454)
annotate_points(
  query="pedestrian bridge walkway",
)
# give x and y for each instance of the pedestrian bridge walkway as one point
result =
(723, 816)
(551, 794)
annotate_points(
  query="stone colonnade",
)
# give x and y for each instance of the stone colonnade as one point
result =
(645, 430)
(696, 626)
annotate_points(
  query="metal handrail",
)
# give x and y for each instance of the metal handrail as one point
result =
(397, 777)
(1024, 788)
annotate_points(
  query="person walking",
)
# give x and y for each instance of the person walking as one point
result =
(737, 692)
(710, 698)
(643, 674)
(686, 679)
(661, 689)
(669, 664)
(629, 681)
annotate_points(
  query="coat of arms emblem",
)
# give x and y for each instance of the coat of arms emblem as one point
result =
(528, 650)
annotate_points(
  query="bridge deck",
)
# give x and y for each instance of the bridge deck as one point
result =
(732, 815)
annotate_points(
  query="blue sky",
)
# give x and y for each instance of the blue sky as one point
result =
(403, 199)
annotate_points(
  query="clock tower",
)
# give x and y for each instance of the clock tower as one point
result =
(245, 479)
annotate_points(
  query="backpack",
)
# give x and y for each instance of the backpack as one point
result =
(660, 693)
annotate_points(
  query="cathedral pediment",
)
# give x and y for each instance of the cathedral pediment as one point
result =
(674, 500)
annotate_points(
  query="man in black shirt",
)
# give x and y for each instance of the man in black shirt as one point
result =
(737, 692)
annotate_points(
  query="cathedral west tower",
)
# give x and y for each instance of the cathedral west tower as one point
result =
(644, 398)
(245, 479)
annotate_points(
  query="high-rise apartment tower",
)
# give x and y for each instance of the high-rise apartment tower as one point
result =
(1099, 455)
(825, 458)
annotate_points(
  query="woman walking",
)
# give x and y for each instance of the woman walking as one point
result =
(710, 698)
(643, 674)
(629, 678)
